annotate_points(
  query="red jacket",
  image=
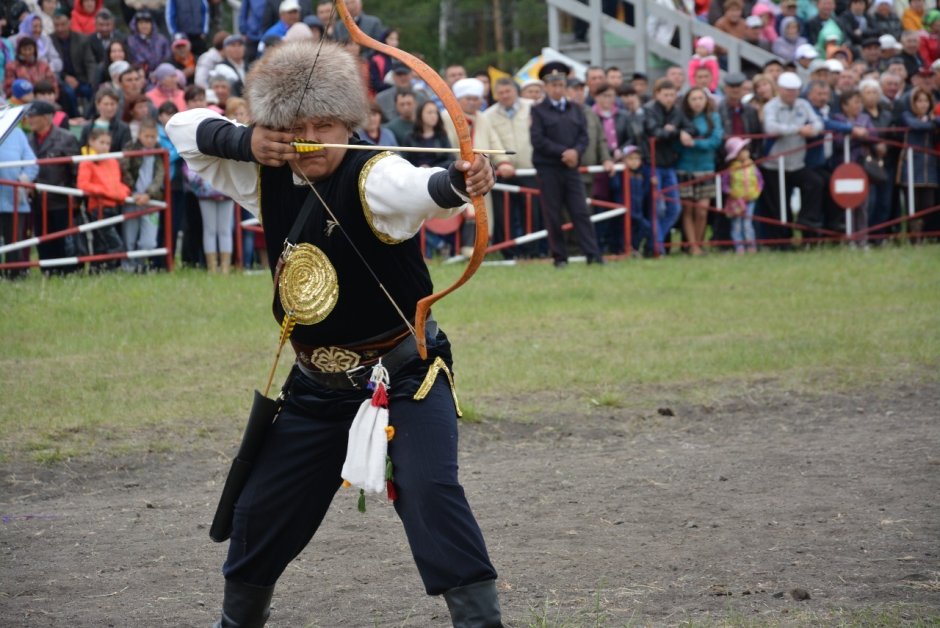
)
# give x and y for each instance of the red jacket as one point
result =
(102, 182)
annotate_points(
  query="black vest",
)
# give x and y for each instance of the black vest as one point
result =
(362, 311)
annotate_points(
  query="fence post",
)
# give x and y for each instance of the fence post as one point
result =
(169, 238)
(627, 201)
(847, 150)
(782, 182)
(910, 181)
(654, 210)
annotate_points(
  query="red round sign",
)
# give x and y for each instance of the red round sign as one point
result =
(849, 186)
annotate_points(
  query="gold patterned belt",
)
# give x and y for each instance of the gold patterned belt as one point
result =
(339, 359)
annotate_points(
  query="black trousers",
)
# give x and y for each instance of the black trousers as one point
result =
(298, 473)
(812, 189)
(563, 186)
(9, 237)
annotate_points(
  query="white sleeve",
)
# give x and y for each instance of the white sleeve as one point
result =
(236, 179)
(395, 197)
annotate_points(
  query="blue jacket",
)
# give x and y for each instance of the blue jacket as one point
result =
(252, 19)
(16, 148)
(701, 156)
(187, 16)
(816, 156)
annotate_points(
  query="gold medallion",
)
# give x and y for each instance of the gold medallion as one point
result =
(308, 286)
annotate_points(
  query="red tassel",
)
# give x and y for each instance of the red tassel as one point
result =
(390, 490)
(380, 397)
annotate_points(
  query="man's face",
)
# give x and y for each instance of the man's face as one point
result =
(405, 106)
(615, 78)
(676, 76)
(62, 26)
(290, 17)
(871, 53)
(128, 83)
(733, 94)
(454, 73)
(909, 43)
(234, 51)
(221, 89)
(145, 27)
(354, 7)
(555, 90)
(533, 92)
(640, 86)
(39, 124)
(847, 81)
(773, 71)
(323, 12)
(703, 78)
(320, 164)
(666, 97)
(594, 79)
(891, 85)
(819, 96)
(104, 27)
(575, 93)
(505, 95)
(401, 79)
(825, 8)
(788, 96)
(470, 104)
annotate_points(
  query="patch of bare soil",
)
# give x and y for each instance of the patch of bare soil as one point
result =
(604, 518)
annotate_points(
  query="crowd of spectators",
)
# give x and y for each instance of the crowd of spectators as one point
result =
(869, 73)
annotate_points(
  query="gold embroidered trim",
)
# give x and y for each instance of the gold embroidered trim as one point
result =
(308, 285)
(370, 217)
(436, 367)
(334, 359)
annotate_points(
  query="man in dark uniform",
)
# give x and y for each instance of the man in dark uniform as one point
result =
(362, 226)
(48, 140)
(559, 135)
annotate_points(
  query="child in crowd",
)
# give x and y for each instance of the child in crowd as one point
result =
(217, 212)
(101, 182)
(742, 184)
(145, 176)
(639, 194)
(704, 57)
(106, 103)
(21, 93)
(43, 90)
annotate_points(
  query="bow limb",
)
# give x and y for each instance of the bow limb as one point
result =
(443, 91)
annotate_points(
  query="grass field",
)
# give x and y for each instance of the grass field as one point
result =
(116, 364)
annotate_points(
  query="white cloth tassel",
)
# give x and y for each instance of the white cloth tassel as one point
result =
(367, 448)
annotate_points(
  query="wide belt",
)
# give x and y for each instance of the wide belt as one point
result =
(342, 368)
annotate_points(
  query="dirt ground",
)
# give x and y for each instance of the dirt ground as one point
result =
(602, 517)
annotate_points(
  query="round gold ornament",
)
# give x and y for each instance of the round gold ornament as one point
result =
(308, 286)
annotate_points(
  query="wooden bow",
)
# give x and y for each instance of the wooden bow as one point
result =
(443, 91)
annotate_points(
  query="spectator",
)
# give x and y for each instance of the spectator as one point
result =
(48, 140)
(103, 34)
(380, 64)
(137, 109)
(633, 108)
(884, 21)
(922, 133)
(146, 179)
(454, 73)
(401, 81)
(31, 26)
(788, 8)
(742, 184)
(190, 19)
(106, 103)
(233, 57)
(639, 197)
(43, 90)
(765, 90)
(79, 74)
(105, 193)
(703, 57)
(697, 155)
(405, 114)
(148, 47)
(596, 153)
(913, 17)
(21, 93)
(862, 129)
(594, 77)
(428, 132)
(368, 24)
(890, 48)
(640, 84)
(805, 55)
(559, 135)
(664, 123)
(209, 59)
(676, 76)
(195, 97)
(871, 54)
(509, 120)
(768, 26)
(614, 77)
(373, 132)
(815, 28)
(792, 120)
(288, 14)
(178, 194)
(47, 9)
(220, 88)
(14, 202)
(115, 52)
(27, 66)
(929, 47)
(789, 41)
(532, 90)
(327, 17)
(615, 133)
(166, 87)
(252, 22)
(183, 59)
(882, 116)
(732, 22)
(83, 16)
(854, 22)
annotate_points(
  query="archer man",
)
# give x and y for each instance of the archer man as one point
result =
(346, 221)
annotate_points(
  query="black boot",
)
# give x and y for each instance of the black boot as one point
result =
(474, 605)
(245, 606)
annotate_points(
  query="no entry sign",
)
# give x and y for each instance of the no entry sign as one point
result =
(849, 186)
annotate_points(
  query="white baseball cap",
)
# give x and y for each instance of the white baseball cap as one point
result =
(888, 42)
(789, 80)
(806, 51)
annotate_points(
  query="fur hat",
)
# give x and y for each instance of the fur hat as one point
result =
(279, 93)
